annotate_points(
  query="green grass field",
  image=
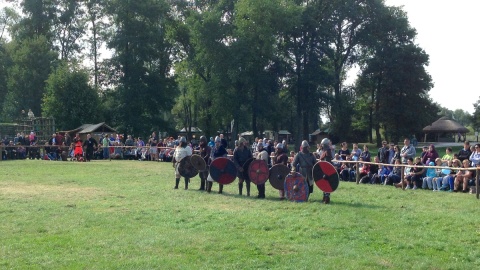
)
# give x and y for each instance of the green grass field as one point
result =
(125, 215)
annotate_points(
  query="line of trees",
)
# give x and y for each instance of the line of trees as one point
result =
(266, 64)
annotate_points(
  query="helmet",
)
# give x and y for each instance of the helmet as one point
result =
(305, 144)
(325, 141)
(183, 139)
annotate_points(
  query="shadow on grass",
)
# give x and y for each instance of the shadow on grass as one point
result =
(355, 204)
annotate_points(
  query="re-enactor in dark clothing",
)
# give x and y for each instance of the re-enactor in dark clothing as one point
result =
(280, 158)
(90, 145)
(240, 155)
(217, 151)
(327, 155)
(205, 152)
(262, 154)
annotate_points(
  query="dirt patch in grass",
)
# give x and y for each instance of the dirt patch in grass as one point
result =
(48, 191)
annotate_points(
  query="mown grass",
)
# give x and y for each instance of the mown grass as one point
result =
(125, 215)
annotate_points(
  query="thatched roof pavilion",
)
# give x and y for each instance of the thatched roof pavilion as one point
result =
(444, 127)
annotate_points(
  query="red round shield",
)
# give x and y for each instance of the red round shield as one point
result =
(277, 176)
(258, 172)
(296, 188)
(325, 176)
(223, 171)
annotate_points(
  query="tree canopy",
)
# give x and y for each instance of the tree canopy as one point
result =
(265, 64)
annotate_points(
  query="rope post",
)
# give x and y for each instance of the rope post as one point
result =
(402, 176)
(357, 172)
(476, 181)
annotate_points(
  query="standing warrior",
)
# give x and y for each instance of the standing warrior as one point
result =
(240, 155)
(217, 151)
(280, 158)
(327, 156)
(262, 154)
(181, 151)
(205, 152)
(305, 159)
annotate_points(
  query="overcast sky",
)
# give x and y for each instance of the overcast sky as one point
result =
(448, 32)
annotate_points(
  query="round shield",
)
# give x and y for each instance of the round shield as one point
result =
(245, 167)
(198, 162)
(258, 172)
(223, 171)
(277, 176)
(296, 188)
(186, 169)
(325, 176)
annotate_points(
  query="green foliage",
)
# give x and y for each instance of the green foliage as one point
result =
(125, 214)
(398, 101)
(69, 98)
(476, 116)
(146, 87)
(267, 64)
(32, 60)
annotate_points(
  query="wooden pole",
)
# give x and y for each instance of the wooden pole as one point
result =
(357, 173)
(477, 180)
(402, 175)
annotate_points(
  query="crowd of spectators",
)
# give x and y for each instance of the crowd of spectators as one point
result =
(386, 168)
(391, 159)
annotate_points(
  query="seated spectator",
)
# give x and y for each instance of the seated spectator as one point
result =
(145, 153)
(117, 151)
(11, 150)
(448, 182)
(440, 173)
(430, 175)
(382, 175)
(337, 164)
(346, 170)
(416, 174)
(463, 177)
(21, 152)
(50, 151)
(364, 170)
(407, 171)
(394, 177)
(374, 170)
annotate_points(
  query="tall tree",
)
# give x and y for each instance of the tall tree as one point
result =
(31, 63)
(68, 27)
(476, 116)
(142, 55)
(308, 71)
(69, 98)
